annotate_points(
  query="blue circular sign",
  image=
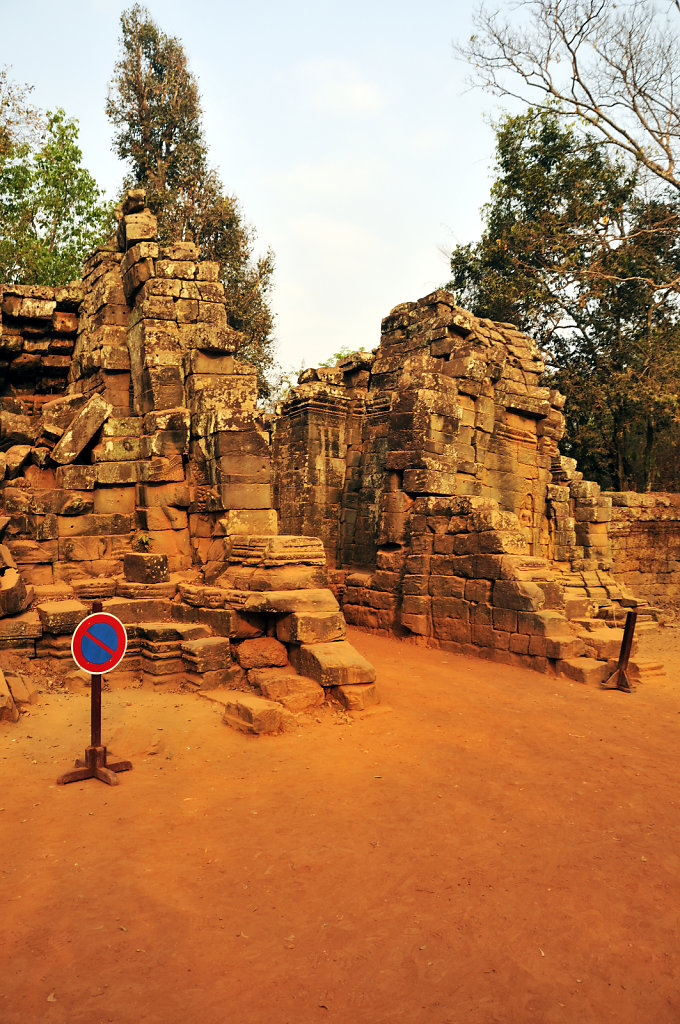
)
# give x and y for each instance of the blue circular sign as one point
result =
(99, 643)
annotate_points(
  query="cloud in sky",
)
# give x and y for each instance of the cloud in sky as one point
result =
(336, 86)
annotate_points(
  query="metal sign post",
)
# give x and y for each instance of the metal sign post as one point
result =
(619, 680)
(98, 645)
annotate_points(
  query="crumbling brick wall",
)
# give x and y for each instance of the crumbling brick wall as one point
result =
(135, 469)
(458, 520)
(645, 539)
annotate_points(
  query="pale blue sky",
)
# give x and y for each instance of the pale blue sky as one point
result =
(345, 129)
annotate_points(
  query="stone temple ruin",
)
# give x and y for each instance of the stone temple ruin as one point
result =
(430, 469)
(417, 489)
(137, 470)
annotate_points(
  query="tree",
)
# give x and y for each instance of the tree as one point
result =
(576, 254)
(52, 213)
(155, 108)
(613, 64)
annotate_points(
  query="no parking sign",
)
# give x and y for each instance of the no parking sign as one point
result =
(99, 643)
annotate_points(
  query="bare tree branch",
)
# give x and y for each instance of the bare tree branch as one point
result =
(615, 65)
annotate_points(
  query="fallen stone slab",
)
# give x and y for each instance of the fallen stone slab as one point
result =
(146, 590)
(356, 697)
(61, 617)
(296, 693)
(164, 631)
(252, 714)
(15, 596)
(81, 430)
(94, 588)
(9, 712)
(332, 664)
(22, 689)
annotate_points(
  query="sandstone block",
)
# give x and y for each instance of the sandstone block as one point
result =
(8, 709)
(244, 522)
(253, 714)
(584, 670)
(61, 617)
(332, 664)
(518, 595)
(356, 697)
(261, 652)
(207, 654)
(15, 596)
(144, 568)
(542, 623)
(81, 430)
(76, 478)
(310, 627)
(285, 601)
(231, 676)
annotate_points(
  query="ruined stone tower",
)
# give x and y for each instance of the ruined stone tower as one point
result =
(136, 469)
(431, 470)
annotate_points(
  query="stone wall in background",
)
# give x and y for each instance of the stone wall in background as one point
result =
(645, 539)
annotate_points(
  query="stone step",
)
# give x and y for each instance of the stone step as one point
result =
(645, 671)
(61, 617)
(584, 670)
(94, 588)
(296, 693)
(332, 664)
(252, 714)
(603, 644)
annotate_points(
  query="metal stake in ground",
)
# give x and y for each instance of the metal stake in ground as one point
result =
(619, 680)
(98, 645)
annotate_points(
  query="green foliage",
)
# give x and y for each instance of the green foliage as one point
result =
(342, 353)
(52, 214)
(155, 108)
(576, 254)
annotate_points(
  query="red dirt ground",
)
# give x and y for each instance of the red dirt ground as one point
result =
(489, 845)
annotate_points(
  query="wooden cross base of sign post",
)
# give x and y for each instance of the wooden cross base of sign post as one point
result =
(94, 765)
(619, 680)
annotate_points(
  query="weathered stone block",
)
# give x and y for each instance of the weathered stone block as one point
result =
(261, 652)
(61, 617)
(253, 714)
(332, 664)
(82, 429)
(356, 697)
(207, 654)
(145, 568)
(310, 627)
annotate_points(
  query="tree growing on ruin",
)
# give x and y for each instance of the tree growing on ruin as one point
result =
(154, 106)
(614, 65)
(576, 254)
(52, 213)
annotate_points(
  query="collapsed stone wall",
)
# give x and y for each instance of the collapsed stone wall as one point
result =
(645, 539)
(431, 469)
(135, 468)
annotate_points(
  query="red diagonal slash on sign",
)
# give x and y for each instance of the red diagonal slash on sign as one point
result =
(98, 642)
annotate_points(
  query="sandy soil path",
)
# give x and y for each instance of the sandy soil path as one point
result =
(488, 845)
